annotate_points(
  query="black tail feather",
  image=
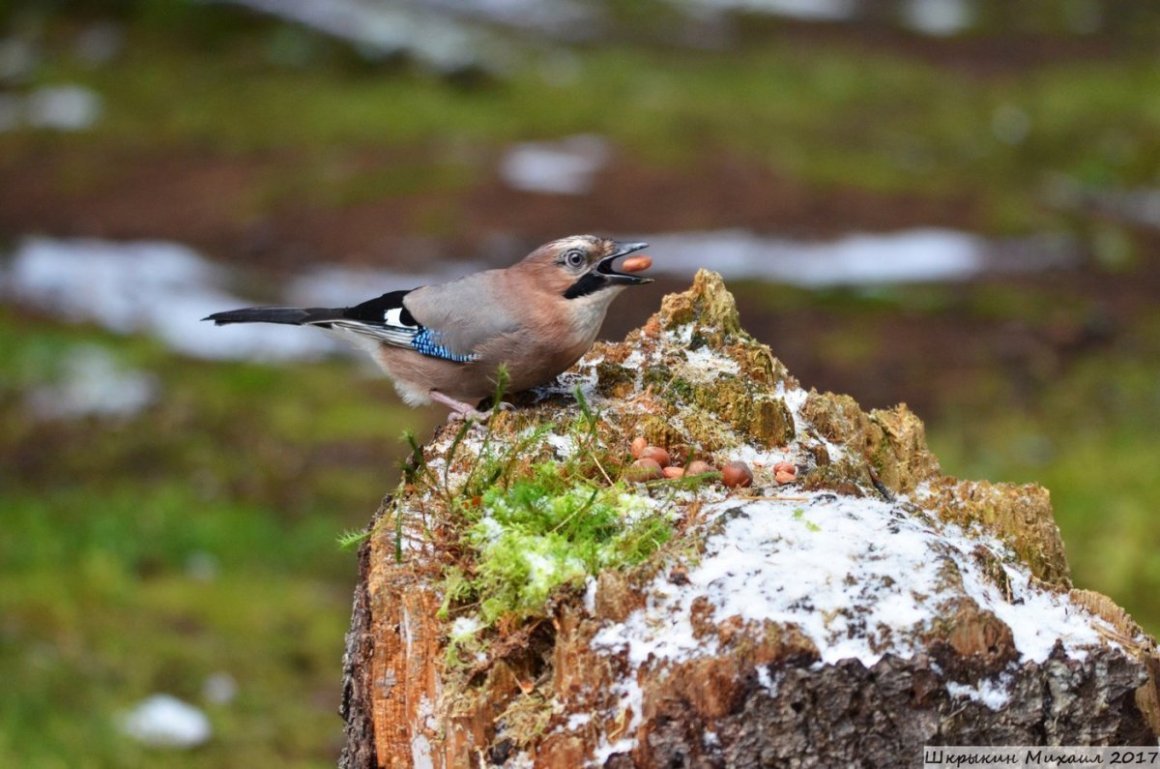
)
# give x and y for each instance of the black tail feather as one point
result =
(295, 316)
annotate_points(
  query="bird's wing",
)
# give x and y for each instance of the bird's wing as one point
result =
(447, 321)
(464, 314)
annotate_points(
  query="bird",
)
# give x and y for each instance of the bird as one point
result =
(447, 343)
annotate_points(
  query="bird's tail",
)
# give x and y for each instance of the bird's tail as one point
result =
(295, 316)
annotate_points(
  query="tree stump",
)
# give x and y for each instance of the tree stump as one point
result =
(864, 606)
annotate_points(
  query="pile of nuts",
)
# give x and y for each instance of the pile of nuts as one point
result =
(654, 463)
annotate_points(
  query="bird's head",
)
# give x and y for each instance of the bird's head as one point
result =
(585, 265)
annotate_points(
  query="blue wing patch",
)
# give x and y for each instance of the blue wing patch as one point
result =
(388, 320)
(426, 341)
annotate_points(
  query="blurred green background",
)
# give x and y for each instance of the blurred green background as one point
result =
(179, 535)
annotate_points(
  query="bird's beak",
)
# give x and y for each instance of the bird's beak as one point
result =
(612, 275)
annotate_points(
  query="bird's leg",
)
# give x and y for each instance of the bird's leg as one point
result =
(459, 409)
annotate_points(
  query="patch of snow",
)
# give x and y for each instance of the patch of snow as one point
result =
(909, 256)
(795, 399)
(856, 577)
(628, 714)
(92, 382)
(421, 749)
(490, 528)
(634, 359)
(376, 29)
(682, 335)
(163, 721)
(759, 457)
(994, 694)
(464, 627)
(521, 760)
(704, 365)
(542, 570)
(938, 18)
(768, 682)
(590, 595)
(804, 10)
(583, 376)
(62, 108)
(563, 445)
(635, 507)
(565, 167)
(219, 688)
(1038, 619)
(577, 720)
(158, 288)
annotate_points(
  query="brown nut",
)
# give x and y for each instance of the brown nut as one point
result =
(674, 472)
(644, 470)
(699, 467)
(736, 474)
(783, 477)
(639, 443)
(657, 453)
(785, 467)
(637, 263)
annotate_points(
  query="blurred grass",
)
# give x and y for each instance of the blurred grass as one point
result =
(822, 115)
(198, 537)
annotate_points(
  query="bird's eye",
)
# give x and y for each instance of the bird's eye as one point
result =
(574, 258)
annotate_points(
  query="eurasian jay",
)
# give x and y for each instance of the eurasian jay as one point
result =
(446, 342)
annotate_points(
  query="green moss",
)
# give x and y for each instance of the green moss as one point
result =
(532, 525)
(547, 531)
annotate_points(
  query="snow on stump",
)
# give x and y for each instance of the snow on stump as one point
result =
(528, 598)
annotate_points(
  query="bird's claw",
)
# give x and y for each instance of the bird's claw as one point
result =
(480, 417)
(461, 411)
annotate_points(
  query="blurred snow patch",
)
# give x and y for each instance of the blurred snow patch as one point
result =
(62, 108)
(164, 721)
(430, 36)
(565, 167)
(804, 10)
(938, 18)
(219, 688)
(909, 256)
(56, 107)
(158, 288)
(92, 382)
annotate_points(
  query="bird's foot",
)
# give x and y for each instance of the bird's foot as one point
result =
(461, 411)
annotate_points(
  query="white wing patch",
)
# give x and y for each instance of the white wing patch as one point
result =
(394, 317)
